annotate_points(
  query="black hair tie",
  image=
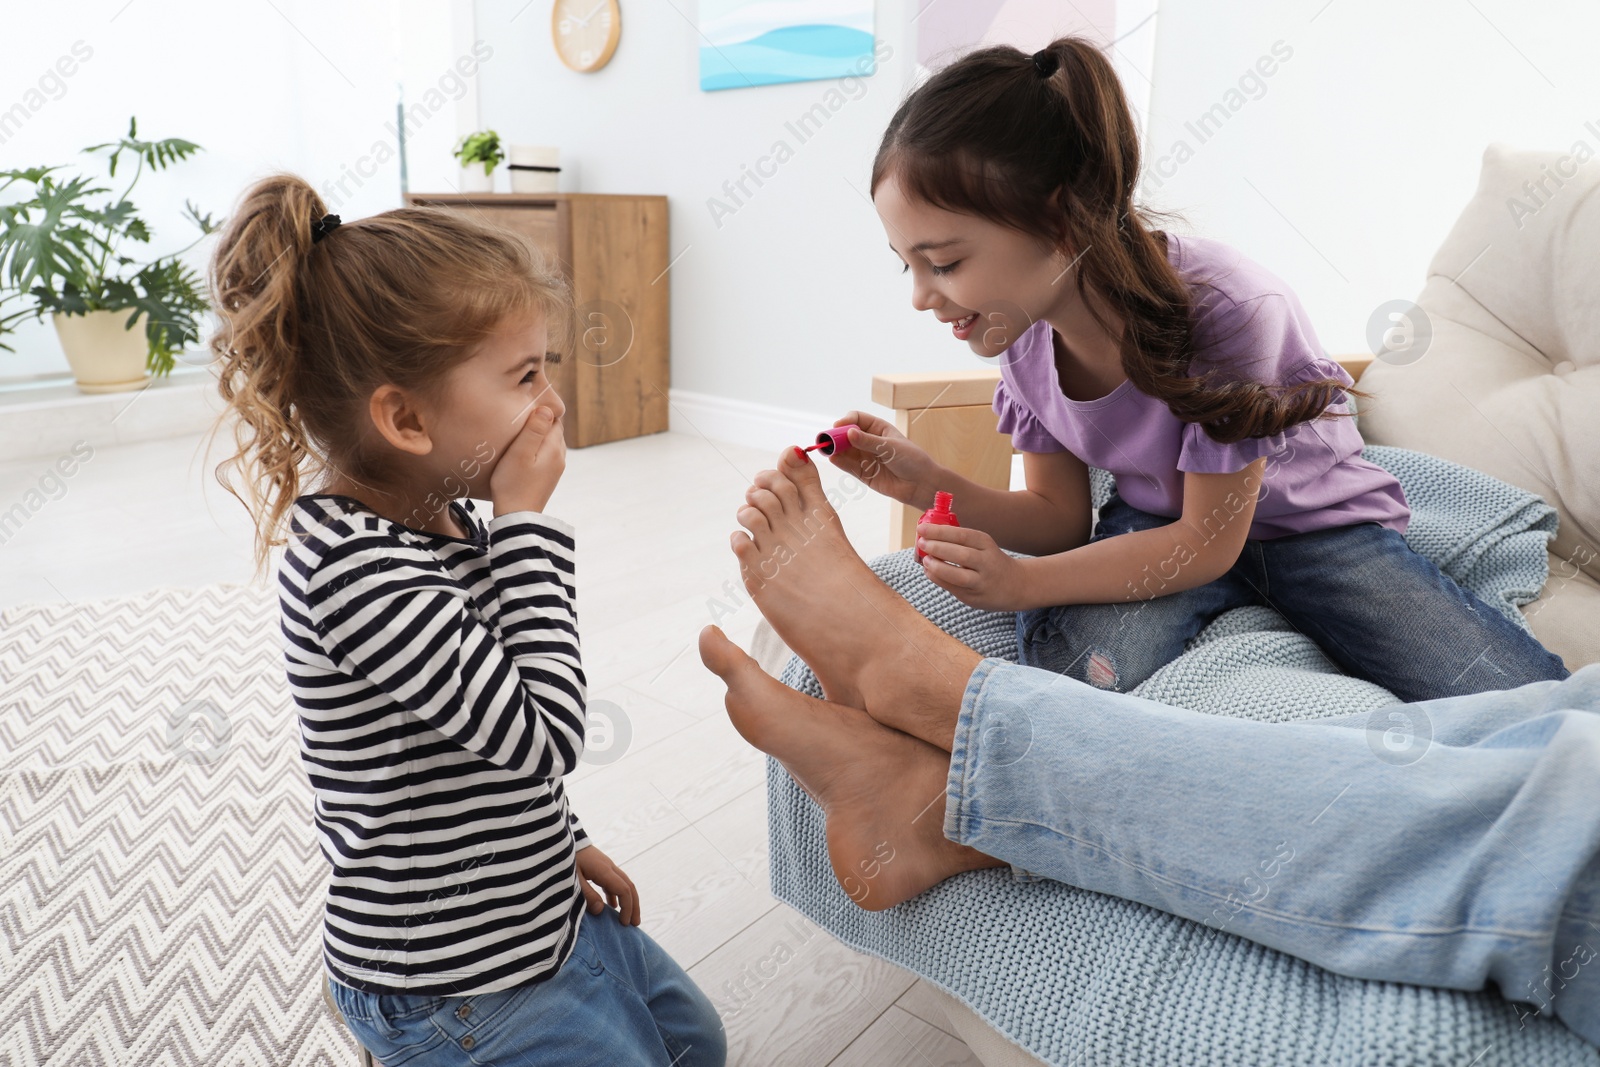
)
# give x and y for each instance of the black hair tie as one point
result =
(320, 228)
(1046, 62)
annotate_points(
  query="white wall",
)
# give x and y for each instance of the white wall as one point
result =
(1341, 171)
(1347, 171)
(782, 309)
(296, 84)
(791, 302)
(1343, 176)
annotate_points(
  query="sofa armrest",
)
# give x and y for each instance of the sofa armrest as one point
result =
(950, 414)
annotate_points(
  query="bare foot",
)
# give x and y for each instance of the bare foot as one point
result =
(868, 648)
(882, 791)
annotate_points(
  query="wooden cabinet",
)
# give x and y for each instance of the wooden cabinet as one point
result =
(612, 249)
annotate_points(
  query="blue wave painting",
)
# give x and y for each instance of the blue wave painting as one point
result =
(771, 45)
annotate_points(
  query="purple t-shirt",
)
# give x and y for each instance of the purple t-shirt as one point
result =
(1315, 477)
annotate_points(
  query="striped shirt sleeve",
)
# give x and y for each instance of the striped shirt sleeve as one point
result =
(505, 682)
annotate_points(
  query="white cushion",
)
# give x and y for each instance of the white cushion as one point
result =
(1566, 617)
(1510, 383)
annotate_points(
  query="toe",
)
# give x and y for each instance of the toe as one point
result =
(808, 480)
(754, 519)
(769, 503)
(711, 640)
(718, 653)
(779, 485)
(749, 557)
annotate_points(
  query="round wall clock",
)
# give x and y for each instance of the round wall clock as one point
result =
(585, 32)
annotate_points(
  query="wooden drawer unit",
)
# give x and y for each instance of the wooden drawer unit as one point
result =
(612, 250)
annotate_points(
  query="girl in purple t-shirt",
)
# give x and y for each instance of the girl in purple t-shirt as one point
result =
(1188, 371)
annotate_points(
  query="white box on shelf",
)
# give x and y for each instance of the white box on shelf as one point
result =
(534, 168)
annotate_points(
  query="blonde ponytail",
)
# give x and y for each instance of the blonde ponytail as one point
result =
(309, 329)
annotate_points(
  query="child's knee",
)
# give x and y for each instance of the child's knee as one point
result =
(1101, 670)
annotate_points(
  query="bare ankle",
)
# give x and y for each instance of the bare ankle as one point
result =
(921, 694)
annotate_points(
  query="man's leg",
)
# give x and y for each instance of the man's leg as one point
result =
(881, 791)
(1475, 859)
(1475, 862)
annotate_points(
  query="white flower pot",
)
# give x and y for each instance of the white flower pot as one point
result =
(104, 356)
(534, 168)
(474, 180)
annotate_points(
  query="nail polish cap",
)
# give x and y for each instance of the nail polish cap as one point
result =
(835, 439)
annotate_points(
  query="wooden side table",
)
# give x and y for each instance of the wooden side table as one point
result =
(612, 249)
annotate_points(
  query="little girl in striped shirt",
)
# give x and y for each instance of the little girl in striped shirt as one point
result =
(434, 657)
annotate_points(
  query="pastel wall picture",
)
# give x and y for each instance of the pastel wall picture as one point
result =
(767, 42)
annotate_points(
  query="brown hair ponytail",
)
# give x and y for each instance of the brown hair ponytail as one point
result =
(309, 329)
(991, 135)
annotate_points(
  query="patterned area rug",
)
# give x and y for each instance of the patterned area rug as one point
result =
(161, 890)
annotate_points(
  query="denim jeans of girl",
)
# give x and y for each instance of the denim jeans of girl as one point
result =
(618, 1000)
(1475, 859)
(1379, 610)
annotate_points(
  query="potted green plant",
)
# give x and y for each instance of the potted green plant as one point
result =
(61, 252)
(483, 148)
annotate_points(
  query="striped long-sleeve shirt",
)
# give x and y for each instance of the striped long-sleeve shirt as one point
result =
(441, 700)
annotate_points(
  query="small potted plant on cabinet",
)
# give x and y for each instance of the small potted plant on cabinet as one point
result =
(62, 254)
(479, 153)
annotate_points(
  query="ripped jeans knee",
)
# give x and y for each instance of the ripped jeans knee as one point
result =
(1101, 670)
(1056, 640)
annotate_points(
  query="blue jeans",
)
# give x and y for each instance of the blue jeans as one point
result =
(1379, 610)
(1475, 860)
(619, 999)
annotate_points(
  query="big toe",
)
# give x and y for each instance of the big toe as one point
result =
(759, 706)
(800, 470)
(720, 655)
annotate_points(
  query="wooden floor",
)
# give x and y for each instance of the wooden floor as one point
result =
(681, 806)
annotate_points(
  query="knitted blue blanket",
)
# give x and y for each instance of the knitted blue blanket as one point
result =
(1084, 979)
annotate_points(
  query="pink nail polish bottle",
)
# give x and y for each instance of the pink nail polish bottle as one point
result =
(938, 515)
